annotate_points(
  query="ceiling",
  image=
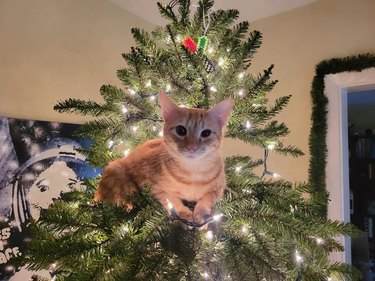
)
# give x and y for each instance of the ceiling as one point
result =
(250, 10)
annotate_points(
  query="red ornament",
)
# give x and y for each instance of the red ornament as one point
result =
(190, 44)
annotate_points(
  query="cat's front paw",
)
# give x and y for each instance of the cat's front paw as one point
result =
(185, 213)
(201, 214)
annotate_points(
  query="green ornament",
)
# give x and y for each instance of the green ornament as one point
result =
(202, 43)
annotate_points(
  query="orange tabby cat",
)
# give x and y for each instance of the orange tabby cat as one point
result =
(184, 165)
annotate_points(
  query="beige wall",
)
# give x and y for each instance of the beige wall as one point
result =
(295, 42)
(55, 49)
(52, 50)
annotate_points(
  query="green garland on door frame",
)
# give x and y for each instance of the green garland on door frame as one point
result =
(318, 133)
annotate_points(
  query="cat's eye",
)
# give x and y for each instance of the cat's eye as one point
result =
(181, 131)
(205, 133)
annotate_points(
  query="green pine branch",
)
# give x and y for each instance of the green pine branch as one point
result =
(264, 221)
(184, 10)
(78, 106)
(221, 19)
(167, 12)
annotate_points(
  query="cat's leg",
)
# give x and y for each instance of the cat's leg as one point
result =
(181, 210)
(204, 205)
(114, 185)
(168, 200)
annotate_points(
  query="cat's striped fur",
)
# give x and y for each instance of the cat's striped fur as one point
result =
(184, 165)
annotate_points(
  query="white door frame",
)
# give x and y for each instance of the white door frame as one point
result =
(336, 88)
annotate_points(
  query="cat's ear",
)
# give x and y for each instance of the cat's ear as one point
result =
(169, 108)
(222, 111)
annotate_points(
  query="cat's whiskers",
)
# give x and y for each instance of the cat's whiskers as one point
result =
(183, 165)
(161, 158)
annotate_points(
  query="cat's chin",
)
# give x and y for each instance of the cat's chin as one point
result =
(192, 156)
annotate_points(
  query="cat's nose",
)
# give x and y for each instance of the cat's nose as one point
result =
(192, 147)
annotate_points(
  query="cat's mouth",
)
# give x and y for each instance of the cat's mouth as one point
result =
(192, 154)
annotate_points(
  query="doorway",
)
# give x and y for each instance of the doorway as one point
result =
(336, 88)
(361, 140)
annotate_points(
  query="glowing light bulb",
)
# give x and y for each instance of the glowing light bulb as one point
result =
(217, 217)
(241, 75)
(241, 93)
(161, 134)
(135, 128)
(319, 241)
(110, 143)
(123, 109)
(275, 175)
(244, 229)
(125, 228)
(271, 146)
(213, 89)
(169, 204)
(132, 91)
(221, 61)
(248, 124)
(126, 152)
(299, 258)
(210, 235)
(210, 50)
(205, 275)
(168, 87)
(238, 169)
(292, 209)
(152, 98)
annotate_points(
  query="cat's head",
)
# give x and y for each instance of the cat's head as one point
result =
(193, 133)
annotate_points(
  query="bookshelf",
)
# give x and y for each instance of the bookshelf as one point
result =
(362, 189)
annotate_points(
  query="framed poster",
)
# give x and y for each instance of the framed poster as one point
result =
(38, 162)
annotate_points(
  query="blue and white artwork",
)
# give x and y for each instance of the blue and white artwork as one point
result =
(38, 162)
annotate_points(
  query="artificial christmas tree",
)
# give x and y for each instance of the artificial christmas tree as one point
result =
(263, 228)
